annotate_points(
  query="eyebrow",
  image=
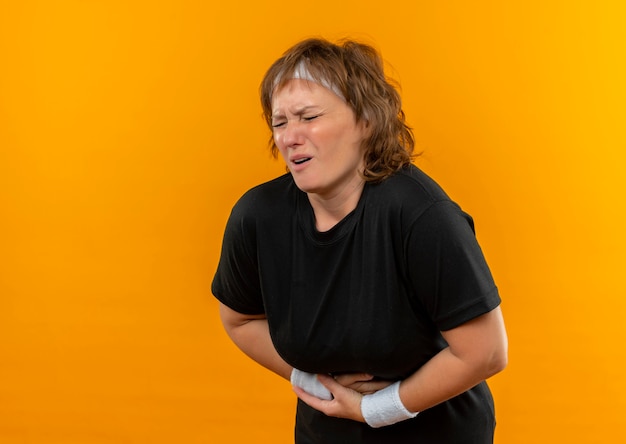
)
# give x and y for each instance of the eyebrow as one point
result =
(298, 111)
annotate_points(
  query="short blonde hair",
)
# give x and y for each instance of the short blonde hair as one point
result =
(355, 71)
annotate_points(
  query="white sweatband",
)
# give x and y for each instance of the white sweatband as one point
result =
(301, 72)
(385, 407)
(310, 384)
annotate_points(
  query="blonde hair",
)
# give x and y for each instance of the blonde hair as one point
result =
(354, 71)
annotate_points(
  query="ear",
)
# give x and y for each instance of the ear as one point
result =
(366, 126)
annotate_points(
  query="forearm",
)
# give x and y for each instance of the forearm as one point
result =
(252, 336)
(443, 377)
(477, 351)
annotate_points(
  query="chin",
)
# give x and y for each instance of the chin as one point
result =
(306, 186)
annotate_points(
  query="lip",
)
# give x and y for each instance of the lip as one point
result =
(299, 166)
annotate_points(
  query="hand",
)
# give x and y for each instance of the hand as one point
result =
(346, 402)
(363, 383)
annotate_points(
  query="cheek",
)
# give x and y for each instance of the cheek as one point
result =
(278, 141)
(280, 146)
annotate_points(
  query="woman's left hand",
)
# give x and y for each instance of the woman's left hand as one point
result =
(346, 402)
(364, 383)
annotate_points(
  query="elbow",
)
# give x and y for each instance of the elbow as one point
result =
(232, 321)
(497, 361)
(498, 357)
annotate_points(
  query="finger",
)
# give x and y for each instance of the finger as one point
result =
(339, 392)
(336, 389)
(369, 387)
(330, 383)
(348, 379)
(345, 403)
(312, 398)
(374, 385)
(313, 401)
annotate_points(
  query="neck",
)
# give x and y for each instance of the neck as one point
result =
(330, 210)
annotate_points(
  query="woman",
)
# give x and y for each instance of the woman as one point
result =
(354, 275)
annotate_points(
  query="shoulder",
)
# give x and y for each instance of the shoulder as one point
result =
(409, 191)
(415, 182)
(257, 208)
(414, 200)
(266, 198)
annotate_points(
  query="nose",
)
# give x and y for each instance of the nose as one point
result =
(290, 135)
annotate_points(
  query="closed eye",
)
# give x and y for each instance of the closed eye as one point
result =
(308, 119)
(277, 124)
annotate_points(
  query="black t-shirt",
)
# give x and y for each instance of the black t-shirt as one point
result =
(370, 295)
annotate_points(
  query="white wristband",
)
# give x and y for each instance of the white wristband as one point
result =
(385, 407)
(310, 384)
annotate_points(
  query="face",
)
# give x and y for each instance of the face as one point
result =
(318, 137)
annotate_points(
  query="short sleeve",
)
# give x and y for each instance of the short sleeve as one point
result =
(447, 268)
(236, 282)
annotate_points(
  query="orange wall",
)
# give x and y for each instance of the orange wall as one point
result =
(128, 130)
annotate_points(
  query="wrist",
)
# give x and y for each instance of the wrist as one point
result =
(310, 384)
(385, 407)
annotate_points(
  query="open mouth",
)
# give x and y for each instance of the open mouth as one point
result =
(301, 161)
